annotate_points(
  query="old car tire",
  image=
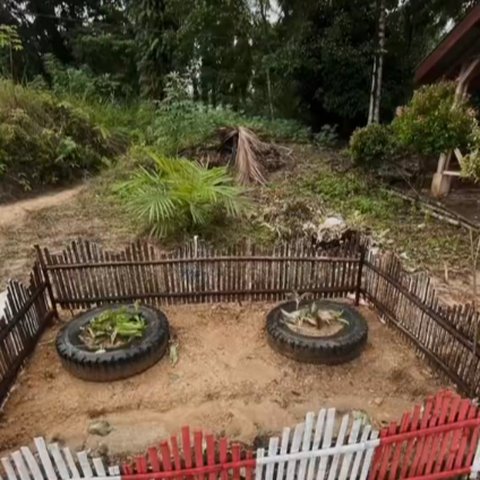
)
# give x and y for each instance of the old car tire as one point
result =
(114, 364)
(343, 346)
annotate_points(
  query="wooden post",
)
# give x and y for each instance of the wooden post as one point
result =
(46, 275)
(441, 183)
(359, 276)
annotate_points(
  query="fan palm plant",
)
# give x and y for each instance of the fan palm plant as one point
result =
(178, 194)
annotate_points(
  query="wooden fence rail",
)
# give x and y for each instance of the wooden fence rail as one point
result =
(26, 312)
(444, 336)
(84, 274)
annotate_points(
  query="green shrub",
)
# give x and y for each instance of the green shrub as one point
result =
(184, 124)
(181, 123)
(431, 124)
(46, 141)
(81, 82)
(373, 146)
(326, 137)
(178, 195)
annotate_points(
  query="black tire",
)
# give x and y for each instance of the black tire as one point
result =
(114, 364)
(343, 346)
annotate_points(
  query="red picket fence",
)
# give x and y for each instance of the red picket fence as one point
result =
(197, 456)
(438, 440)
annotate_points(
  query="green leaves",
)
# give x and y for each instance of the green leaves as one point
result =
(9, 38)
(113, 328)
(180, 195)
(372, 146)
(432, 124)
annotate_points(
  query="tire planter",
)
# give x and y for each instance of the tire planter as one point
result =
(113, 364)
(343, 346)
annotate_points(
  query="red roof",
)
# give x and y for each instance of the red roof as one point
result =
(461, 44)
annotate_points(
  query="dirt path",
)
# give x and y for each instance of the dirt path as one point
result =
(13, 213)
(55, 219)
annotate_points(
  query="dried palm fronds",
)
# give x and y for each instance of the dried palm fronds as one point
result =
(247, 165)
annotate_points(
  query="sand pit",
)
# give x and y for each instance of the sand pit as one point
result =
(227, 380)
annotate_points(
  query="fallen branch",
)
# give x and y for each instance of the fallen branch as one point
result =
(437, 210)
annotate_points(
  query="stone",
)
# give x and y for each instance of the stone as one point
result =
(100, 427)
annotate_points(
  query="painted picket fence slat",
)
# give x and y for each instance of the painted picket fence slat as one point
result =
(51, 462)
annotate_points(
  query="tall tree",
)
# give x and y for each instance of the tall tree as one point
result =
(377, 74)
(154, 33)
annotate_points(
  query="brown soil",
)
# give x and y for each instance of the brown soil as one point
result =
(227, 380)
(54, 220)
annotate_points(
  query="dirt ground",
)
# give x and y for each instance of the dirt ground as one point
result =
(54, 219)
(227, 380)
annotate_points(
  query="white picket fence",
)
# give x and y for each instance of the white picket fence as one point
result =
(319, 449)
(50, 462)
(324, 447)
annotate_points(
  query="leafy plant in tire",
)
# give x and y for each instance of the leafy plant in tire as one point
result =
(314, 315)
(113, 328)
(180, 195)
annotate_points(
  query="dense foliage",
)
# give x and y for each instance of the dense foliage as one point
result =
(294, 58)
(434, 123)
(44, 140)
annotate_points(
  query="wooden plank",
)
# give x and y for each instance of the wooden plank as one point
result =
(32, 463)
(166, 456)
(141, 464)
(223, 447)
(71, 463)
(359, 455)
(340, 440)
(306, 443)
(9, 470)
(210, 439)
(368, 458)
(327, 441)
(198, 448)
(42, 450)
(294, 448)
(85, 464)
(259, 466)
(316, 442)
(59, 461)
(283, 450)
(397, 448)
(235, 459)
(272, 451)
(99, 467)
(187, 447)
(347, 458)
(20, 465)
(153, 459)
(177, 462)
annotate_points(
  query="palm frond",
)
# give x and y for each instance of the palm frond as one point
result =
(180, 194)
(246, 162)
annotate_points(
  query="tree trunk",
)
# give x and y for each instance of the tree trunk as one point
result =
(381, 54)
(377, 72)
(269, 91)
(373, 89)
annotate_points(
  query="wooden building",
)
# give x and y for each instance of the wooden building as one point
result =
(456, 57)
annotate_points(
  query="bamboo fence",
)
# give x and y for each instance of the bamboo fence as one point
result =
(84, 275)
